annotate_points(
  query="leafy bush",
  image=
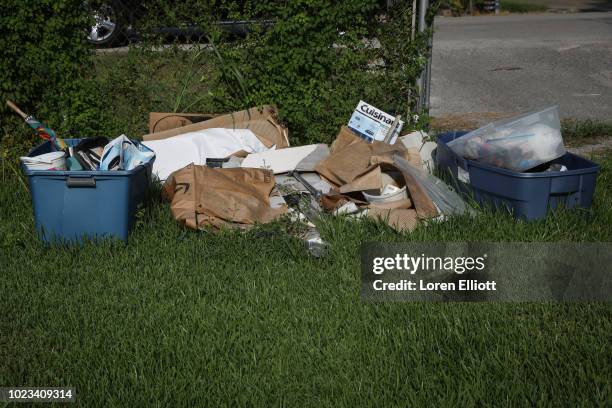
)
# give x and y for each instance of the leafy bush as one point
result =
(319, 59)
(518, 6)
(511, 6)
(43, 53)
(315, 62)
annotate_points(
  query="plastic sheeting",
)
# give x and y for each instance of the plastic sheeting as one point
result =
(176, 152)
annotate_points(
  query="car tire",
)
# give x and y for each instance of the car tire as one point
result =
(107, 29)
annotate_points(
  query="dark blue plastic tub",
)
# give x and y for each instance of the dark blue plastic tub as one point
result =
(527, 195)
(70, 206)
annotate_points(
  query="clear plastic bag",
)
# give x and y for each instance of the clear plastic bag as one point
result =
(518, 144)
(447, 201)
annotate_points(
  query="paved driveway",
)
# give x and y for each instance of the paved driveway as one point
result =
(518, 63)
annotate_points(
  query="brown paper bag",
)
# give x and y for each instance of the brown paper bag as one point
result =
(404, 203)
(399, 219)
(352, 157)
(201, 196)
(262, 122)
(369, 180)
(355, 165)
(423, 205)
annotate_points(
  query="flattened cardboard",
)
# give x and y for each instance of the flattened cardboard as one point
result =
(310, 161)
(261, 121)
(279, 161)
(160, 121)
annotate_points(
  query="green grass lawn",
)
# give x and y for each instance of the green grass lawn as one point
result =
(519, 6)
(185, 318)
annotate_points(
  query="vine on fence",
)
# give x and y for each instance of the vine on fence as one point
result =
(319, 58)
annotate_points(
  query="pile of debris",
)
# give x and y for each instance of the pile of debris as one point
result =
(238, 169)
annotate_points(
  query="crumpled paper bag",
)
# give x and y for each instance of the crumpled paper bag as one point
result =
(355, 165)
(201, 196)
(350, 159)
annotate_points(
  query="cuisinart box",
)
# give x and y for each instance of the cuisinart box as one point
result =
(373, 124)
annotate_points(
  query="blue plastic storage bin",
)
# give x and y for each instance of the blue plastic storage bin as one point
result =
(70, 206)
(528, 195)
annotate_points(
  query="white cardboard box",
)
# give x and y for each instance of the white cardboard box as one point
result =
(372, 124)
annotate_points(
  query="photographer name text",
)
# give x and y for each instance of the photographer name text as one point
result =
(415, 264)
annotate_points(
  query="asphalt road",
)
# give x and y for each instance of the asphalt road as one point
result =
(519, 63)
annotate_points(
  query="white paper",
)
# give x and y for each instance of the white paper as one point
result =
(130, 155)
(176, 152)
(279, 161)
(413, 139)
(426, 152)
(463, 175)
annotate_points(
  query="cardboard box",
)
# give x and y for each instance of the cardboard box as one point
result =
(263, 122)
(372, 124)
(160, 121)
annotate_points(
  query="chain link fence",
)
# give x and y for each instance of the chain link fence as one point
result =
(315, 60)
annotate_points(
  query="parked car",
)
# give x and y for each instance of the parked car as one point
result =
(115, 21)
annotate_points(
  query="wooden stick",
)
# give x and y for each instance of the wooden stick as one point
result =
(14, 107)
(392, 129)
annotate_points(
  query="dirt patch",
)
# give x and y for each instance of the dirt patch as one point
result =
(591, 149)
(467, 121)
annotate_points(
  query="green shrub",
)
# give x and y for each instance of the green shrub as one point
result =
(511, 6)
(518, 6)
(319, 59)
(315, 63)
(43, 53)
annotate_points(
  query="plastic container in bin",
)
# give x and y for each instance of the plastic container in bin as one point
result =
(519, 143)
(528, 195)
(70, 206)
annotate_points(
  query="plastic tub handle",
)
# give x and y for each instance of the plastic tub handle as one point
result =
(81, 182)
